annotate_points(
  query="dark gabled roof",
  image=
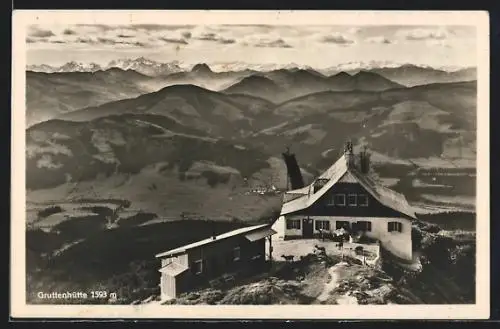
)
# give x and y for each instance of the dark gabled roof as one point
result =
(305, 197)
(240, 231)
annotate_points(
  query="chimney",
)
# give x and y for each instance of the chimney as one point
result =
(294, 174)
(364, 161)
(349, 155)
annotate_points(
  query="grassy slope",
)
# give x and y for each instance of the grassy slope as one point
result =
(119, 260)
(49, 95)
(135, 162)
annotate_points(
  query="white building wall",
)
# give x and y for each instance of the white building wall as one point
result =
(398, 243)
(279, 227)
(181, 259)
(292, 232)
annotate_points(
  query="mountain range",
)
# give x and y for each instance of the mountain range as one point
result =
(154, 68)
(117, 133)
(141, 64)
(282, 85)
(51, 94)
(422, 121)
(137, 147)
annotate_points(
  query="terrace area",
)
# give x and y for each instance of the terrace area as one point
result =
(366, 253)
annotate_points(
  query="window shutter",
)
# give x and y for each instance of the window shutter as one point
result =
(394, 226)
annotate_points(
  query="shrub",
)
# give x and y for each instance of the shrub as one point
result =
(49, 211)
(437, 250)
(366, 240)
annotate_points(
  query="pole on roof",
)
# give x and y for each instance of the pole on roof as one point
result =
(270, 249)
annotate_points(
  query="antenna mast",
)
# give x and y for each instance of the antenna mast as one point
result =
(287, 152)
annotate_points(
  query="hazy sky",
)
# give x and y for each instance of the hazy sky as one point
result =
(317, 46)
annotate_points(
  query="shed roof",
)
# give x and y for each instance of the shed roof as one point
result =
(384, 195)
(173, 269)
(260, 234)
(209, 240)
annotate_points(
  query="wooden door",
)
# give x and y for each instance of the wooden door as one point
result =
(307, 228)
(168, 286)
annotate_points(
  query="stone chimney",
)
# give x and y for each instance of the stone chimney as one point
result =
(349, 155)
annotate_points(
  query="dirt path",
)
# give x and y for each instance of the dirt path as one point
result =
(336, 273)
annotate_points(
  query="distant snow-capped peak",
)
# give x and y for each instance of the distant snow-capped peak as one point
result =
(72, 66)
(356, 66)
(371, 65)
(261, 67)
(145, 66)
(154, 68)
(79, 67)
(141, 64)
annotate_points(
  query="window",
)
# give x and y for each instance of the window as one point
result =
(394, 227)
(323, 225)
(330, 201)
(363, 200)
(293, 224)
(236, 254)
(364, 226)
(318, 184)
(341, 224)
(198, 267)
(340, 199)
(352, 200)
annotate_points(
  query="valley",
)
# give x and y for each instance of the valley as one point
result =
(121, 165)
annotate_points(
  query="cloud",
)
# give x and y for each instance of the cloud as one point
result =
(69, 32)
(85, 40)
(124, 36)
(439, 43)
(134, 43)
(253, 26)
(424, 34)
(354, 30)
(106, 41)
(278, 43)
(160, 27)
(379, 40)
(207, 37)
(214, 38)
(37, 32)
(337, 38)
(172, 40)
(140, 35)
(100, 27)
(110, 42)
(227, 41)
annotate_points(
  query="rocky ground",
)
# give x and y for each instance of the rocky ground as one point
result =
(312, 280)
(446, 276)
